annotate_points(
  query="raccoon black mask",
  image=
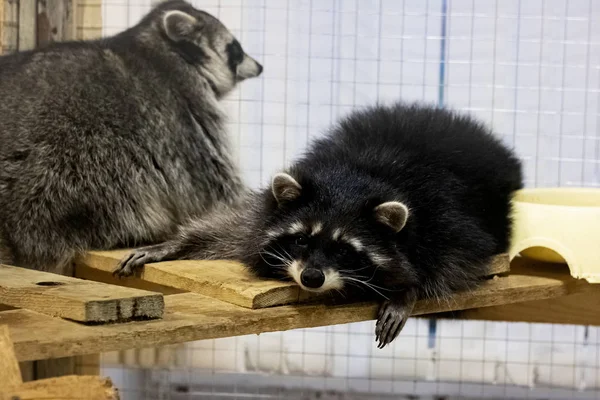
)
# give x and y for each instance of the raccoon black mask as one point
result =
(324, 247)
(205, 43)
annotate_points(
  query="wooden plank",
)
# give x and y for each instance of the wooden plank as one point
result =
(54, 367)
(56, 21)
(75, 299)
(10, 41)
(191, 316)
(91, 274)
(10, 374)
(88, 364)
(27, 24)
(1, 26)
(68, 387)
(224, 280)
(577, 309)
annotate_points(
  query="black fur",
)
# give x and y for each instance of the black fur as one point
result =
(454, 176)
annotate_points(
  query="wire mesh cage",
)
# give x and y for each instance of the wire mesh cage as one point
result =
(529, 68)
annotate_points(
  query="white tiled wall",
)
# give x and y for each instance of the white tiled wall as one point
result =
(530, 68)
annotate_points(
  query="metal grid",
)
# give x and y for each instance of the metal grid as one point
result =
(530, 68)
(461, 359)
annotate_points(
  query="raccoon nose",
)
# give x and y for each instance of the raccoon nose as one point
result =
(312, 278)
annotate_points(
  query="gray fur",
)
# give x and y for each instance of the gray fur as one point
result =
(230, 231)
(116, 142)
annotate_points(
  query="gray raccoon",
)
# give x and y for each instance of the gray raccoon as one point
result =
(405, 201)
(116, 142)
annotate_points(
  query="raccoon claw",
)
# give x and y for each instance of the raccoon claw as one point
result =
(129, 264)
(390, 321)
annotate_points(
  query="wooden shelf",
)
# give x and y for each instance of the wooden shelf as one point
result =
(224, 280)
(75, 299)
(192, 316)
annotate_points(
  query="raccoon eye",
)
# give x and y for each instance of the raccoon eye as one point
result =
(301, 240)
(343, 251)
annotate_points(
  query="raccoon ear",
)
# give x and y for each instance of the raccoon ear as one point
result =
(393, 214)
(285, 188)
(179, 25)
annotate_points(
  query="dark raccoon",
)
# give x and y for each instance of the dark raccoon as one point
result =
(116, 142)
(406, 201)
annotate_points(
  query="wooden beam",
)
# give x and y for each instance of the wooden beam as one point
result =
(1, 26)
(75, 299)
(10, 374)
(56, 21)
(68, 387)
(10, 39)
(191, 316)
(577, 309)
(224, 280)
(92, 274)
(27, 24)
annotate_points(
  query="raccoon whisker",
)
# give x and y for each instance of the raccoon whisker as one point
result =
(273, 265)
(276, 256)
(362, 288)
(369, 285)
(354, 270)
(353, 276)
(275, 252)
(288, 255)
(284, 263)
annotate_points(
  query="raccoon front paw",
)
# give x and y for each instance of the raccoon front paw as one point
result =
(392, 317)
(134, 261)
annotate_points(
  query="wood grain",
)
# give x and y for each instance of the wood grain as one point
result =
(228, 281)
(191, 316)
(67, 387)
(56, 21)
(92, 274)
(578, 309)
(27, 24)
(1, 26)
(10, 40)
(10, 374)
(75, 299)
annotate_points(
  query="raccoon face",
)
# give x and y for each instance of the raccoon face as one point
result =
(323, 250)
(203, 41)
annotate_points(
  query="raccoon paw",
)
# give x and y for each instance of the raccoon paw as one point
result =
(134, 261)
(390, 321)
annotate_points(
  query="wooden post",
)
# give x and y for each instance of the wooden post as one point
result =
(27, 25)
(1, 26)
(10, 26)
(56, 21)
(10, 375)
